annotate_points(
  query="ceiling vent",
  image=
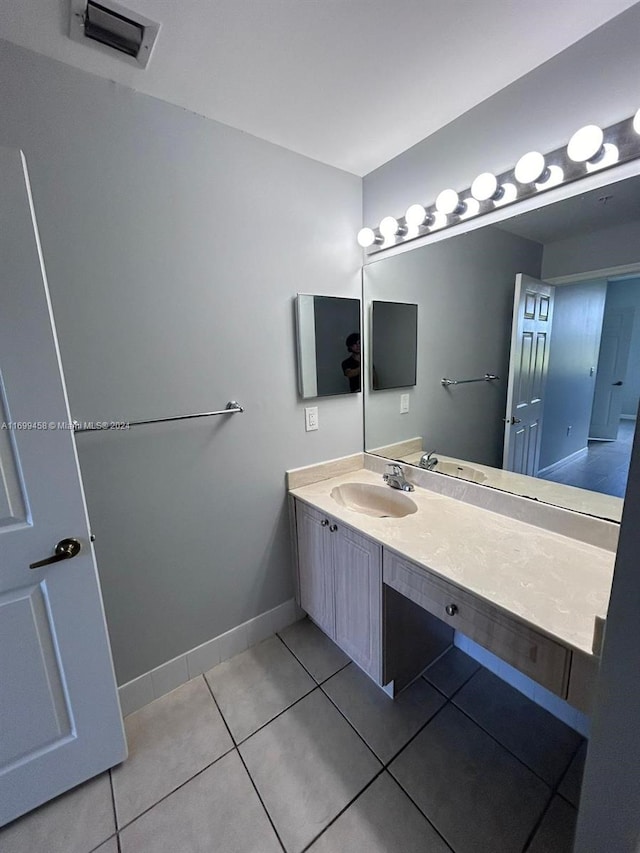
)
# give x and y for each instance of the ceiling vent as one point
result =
(110, 27)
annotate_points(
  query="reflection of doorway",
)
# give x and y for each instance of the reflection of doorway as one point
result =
(603, 467)
(601, 410)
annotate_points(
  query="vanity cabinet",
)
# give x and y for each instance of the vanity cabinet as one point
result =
(534, 654)
(340, 585)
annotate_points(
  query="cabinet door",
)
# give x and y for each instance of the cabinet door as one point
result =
(315, 570)
(357, 569)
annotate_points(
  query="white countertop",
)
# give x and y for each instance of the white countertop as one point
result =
(552, 582)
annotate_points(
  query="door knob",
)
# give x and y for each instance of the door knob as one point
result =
(618, 383)
(324, 522)
(64, 550)
(333, 528)
(512, 421)
(451, 609)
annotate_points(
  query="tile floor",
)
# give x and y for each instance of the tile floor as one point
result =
(289, 747)
(603, 468)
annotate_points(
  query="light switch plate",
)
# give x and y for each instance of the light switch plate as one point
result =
(310, 418)
(404, 404)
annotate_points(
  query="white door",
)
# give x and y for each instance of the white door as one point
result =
(615, 344)
(528, 365)
(60, 719)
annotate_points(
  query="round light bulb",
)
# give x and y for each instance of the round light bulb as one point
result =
(609, 156)
(530, 168)
(636, 122)
(389, 227)
(510, 194)
(586, 144)
(366, 237)
(486, 187)
(416, 215)
(448, 201)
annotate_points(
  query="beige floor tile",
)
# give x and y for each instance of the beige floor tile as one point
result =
(75, 822)
(217, 812)
(170, 740)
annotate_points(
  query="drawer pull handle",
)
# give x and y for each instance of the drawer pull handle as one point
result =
(324, 522)
(451, 609)
(333, 528)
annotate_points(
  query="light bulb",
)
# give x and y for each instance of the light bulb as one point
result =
(416, 215)
(586, 144)
(367, 237)
(439, 220)
(471, 208)
(609, 156)
(448, 201)
(531, 167)
(636, 122)
(486, 187)
(390, 227)
(551, 178)
(510, 194)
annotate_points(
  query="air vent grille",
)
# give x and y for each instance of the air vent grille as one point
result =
(112, 29)
(109, 27)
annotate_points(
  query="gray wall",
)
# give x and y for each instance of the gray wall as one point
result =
(598, 250)
(625, 296)
(464, 290)
(174, 246)
(595, 80)
(609, 818)
(575, 342)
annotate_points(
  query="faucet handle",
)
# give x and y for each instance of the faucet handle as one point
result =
(395, 469)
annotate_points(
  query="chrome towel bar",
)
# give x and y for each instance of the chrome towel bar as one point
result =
(488, 377)
(230, 409)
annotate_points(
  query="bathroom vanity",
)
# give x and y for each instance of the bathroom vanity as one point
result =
(391, 591)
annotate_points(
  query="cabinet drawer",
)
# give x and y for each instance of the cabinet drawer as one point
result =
(539, 657)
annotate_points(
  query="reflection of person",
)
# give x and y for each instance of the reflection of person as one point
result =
(351, 365)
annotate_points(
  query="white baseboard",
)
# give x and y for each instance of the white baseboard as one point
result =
(562, 462)
(166, 677)
(536, 692)
(627, 417)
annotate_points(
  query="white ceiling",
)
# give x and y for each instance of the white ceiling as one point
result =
(351, 83)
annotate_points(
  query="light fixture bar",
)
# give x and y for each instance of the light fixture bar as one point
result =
(619, 143)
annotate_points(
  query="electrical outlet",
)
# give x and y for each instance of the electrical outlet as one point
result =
(404, 404)
(311, 418)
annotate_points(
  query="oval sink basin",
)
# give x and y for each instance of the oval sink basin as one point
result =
(377, 501)
(464, 472)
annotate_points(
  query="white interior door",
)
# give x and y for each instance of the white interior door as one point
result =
(615, 344)
(60, 719)
(528, 365)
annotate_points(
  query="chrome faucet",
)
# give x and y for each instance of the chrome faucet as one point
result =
(428, 460)
(396, 479)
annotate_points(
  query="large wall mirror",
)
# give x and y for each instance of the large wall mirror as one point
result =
(542, 312)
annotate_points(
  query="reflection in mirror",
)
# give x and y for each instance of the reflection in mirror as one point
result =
(566, 402)
(394, 338)
(328, 339)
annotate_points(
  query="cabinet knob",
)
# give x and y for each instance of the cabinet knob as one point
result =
(451, 609)
(333, 528)
(324, 522)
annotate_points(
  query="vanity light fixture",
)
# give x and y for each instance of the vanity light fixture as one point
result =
(368, 237)
(534, 173)
(448, 201)
(486, 188)
(390, 227)
(586, 144)
(531, 168)
(417, 215)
